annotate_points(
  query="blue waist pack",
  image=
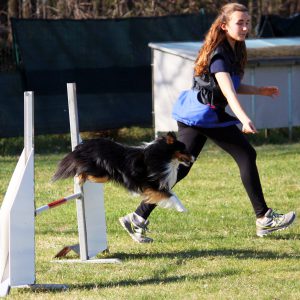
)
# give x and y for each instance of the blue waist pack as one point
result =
(190, 111)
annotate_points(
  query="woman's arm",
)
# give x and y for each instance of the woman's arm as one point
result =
(255, 90)
(226, 86)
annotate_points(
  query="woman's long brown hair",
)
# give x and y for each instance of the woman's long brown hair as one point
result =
(215, 36)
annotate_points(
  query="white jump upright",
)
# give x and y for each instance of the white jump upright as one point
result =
(90, 206)
(17, 243)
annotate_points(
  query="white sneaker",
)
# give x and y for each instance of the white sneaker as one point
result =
(136, 227)
(273, 221)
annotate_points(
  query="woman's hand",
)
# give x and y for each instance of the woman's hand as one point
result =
(271, 91)
(248, 127)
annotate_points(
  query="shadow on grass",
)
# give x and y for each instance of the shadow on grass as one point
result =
(162, 278)
(191, 254)
(156, 280)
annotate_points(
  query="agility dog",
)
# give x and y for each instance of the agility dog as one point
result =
(149, 170)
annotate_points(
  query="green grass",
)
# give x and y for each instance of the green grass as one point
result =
(57, 143)
(211, 252)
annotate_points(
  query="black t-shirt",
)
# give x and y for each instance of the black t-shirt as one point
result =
(219, 64)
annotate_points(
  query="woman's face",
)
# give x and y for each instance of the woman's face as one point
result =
(237, 26)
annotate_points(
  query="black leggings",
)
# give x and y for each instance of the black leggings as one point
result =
(232, 140)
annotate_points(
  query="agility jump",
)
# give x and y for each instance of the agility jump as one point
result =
(17, 213)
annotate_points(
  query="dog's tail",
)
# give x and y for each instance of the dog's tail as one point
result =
(66, 168)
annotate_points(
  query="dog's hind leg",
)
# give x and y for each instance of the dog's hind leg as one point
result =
(97, 179)
(83, 177)
(154, 196)
(164, 199)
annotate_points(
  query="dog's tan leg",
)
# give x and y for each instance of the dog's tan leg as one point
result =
(97, 179)
(81, 179)
(153, 196)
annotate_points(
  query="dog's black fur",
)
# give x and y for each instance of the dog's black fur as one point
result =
(149, 170)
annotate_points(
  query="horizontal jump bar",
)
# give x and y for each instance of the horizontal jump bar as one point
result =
(57, 203)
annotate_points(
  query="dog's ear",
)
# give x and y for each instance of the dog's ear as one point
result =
(171, 137)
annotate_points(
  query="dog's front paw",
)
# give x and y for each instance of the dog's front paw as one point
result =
(172, 203)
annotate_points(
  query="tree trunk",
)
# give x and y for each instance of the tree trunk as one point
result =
(26, 9)
(12, 12)
(96, 8)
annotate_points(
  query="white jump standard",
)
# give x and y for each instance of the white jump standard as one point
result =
(17, 213)
(17, 247)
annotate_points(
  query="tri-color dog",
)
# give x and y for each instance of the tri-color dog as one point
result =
(149, 170)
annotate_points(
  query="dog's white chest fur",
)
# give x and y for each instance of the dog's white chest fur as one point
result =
(171, 175)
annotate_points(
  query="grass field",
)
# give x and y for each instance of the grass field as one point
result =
(211, 252)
